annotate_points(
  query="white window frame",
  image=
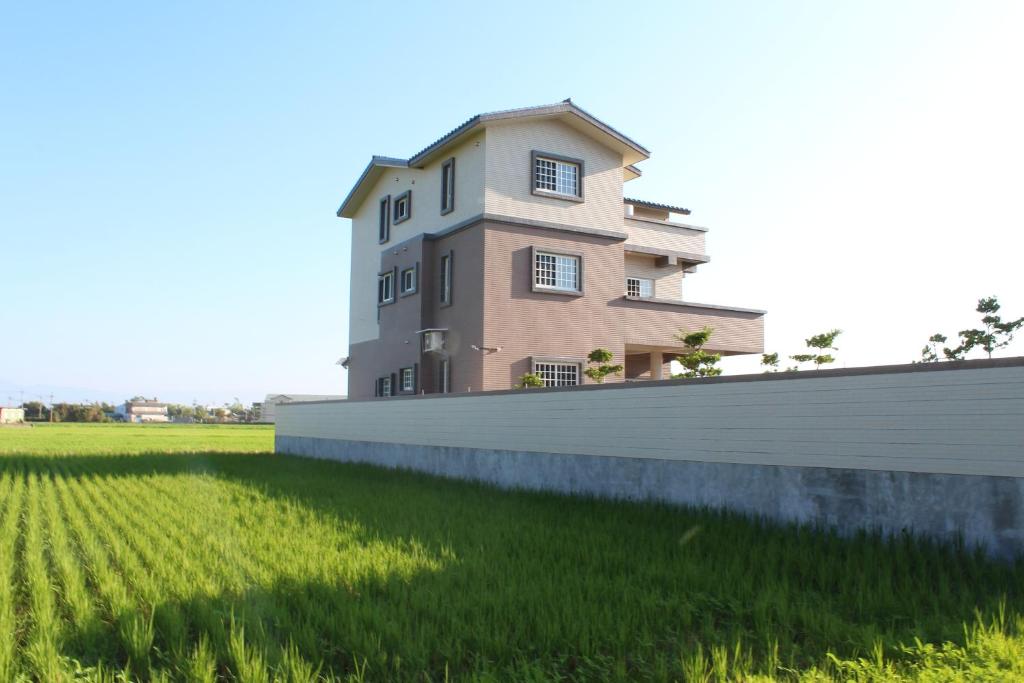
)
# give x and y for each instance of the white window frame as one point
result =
(385, 386)
(644, 287)
(407, 380)
(556, 373)
(386, 283)
(557, 176)
(552, 272)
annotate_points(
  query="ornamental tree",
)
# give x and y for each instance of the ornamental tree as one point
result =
(529, 380)
(696, 361)
(600, 365)
(819, 343)
(770, 361)
(994, 334)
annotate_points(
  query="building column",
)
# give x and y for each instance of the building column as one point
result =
(657, 365)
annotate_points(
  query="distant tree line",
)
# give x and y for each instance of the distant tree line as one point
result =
(37, 411)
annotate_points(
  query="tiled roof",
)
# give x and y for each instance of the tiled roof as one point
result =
(565, 106)
(656, 205)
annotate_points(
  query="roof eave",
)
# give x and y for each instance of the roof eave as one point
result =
(360, 188)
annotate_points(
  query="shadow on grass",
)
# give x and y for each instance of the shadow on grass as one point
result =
(569, 586)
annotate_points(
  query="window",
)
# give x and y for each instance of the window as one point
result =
(557, 374)
(448, 186)
(408, 379)
(407, 282)
(557, 176)
(403, 206)
(444, 376)
(385, 288)
(557, 272)
(384, 387)
(639, 286)
(446, 278)
(384, 229)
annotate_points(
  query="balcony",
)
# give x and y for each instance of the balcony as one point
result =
(647, 235)
(650, 326)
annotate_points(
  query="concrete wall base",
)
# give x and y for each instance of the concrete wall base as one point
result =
(982, 510)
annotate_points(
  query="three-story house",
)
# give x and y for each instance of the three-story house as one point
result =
(507, 247)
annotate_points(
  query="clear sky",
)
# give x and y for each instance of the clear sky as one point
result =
(169, 172)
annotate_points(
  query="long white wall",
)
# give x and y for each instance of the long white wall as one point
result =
(963, 419)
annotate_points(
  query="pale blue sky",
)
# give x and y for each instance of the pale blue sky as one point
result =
(169, 172)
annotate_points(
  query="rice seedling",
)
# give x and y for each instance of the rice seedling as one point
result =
(122, 564)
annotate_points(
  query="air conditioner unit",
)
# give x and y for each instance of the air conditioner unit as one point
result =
(433, 340)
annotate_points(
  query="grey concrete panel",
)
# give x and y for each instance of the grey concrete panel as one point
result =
(982, 510)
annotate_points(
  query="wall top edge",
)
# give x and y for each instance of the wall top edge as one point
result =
(944, 366)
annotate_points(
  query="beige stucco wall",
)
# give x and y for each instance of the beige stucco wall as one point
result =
(667, 280)
(426, 218)
(669, 237)
(509, 175)
(939, 421)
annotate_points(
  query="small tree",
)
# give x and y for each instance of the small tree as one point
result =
(770, 361)
(930, 352)
(826, 341)
(696, 361)
(994, 335)
(529, 380)
(600, 365)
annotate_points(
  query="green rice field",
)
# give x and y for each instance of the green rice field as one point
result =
(192, 553)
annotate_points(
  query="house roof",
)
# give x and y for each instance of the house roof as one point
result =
(566, 111)
(656, 205)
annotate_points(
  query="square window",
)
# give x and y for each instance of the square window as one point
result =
(639, 286)
(403, 207)
(386, 288)
(552, 175)
(557, 374)
(558, 272)
(408, 281)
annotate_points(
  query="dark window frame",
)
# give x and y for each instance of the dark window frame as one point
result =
(379, 391)
(415, 269)
(537, 154)
(401, 379)
(393, 274)
(445, 286)
(405, 197)
(580, 272)
(384, 222)
(448, 186)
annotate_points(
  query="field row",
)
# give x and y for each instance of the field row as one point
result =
(258, 567)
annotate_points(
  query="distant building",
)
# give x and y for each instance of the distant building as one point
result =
(142, 410)
(270, 403)
(12, 416)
